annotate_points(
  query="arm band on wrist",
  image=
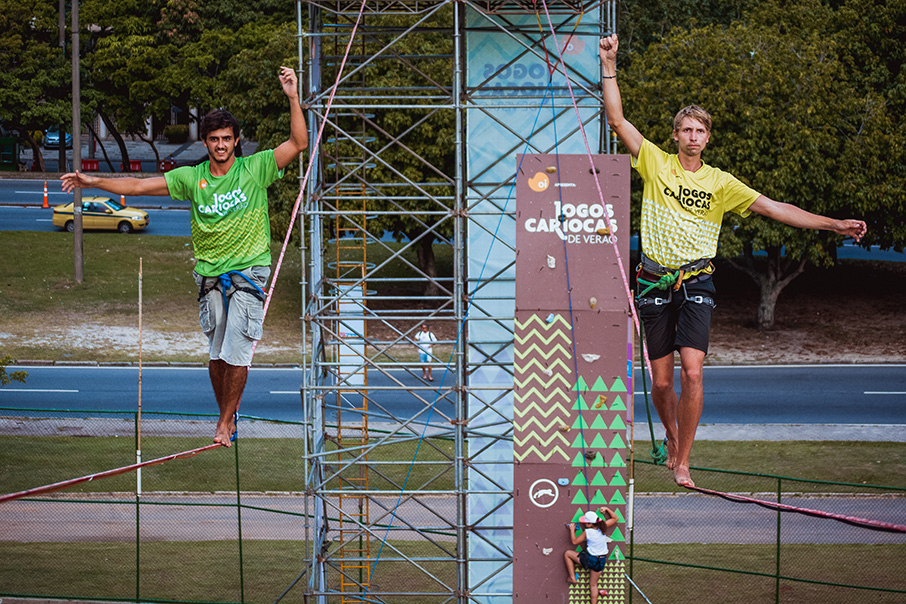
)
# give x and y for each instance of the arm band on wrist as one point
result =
(604, 77)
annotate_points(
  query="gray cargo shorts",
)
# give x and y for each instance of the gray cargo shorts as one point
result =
(232, 331)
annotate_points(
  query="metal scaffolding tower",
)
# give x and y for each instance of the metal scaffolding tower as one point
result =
(408, 217)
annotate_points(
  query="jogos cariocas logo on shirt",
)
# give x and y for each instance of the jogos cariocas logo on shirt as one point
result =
(224, 203)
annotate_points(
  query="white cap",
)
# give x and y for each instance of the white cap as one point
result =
(589, 518)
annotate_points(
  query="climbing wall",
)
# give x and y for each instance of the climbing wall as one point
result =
(573, 352)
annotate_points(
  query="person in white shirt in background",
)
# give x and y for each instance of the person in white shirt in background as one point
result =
(424, 338)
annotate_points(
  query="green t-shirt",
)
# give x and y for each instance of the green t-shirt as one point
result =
(682, 211)
(230, 225)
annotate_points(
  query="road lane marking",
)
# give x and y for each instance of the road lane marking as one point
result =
(37, 390)
(867, 392)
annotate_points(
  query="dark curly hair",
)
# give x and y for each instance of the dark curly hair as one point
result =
(217, 119)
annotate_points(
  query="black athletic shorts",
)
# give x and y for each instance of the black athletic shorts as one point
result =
(681, 322)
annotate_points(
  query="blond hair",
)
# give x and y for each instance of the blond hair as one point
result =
(696, 113)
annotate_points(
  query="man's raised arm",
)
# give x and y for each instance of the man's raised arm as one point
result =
(156, 185)
(613, 104)
(298, 131)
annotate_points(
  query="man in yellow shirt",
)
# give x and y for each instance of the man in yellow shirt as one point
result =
(683, 203)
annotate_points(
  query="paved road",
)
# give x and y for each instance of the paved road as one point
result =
(685, 518)
(162, 222)
(806, 394)
(29, 192)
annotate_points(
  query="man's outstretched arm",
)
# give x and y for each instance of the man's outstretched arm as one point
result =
(613, 103)
(156, 185)
(298, 131)
(795, 216)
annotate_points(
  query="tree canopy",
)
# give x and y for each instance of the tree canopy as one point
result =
(788, 121)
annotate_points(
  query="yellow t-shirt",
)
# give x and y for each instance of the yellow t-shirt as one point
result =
(682, 211)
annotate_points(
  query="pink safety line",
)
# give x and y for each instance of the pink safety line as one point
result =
(853, 520)
(627, 290)
(311, 159)
(58, 486)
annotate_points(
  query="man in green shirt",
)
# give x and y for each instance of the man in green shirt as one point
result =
(231, 237)
(683, 203)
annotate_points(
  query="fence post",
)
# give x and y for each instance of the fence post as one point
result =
(138, 540)
(777, 558)
(239, 521)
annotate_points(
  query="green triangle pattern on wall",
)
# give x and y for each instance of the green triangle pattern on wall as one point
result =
(580, 479)
(598, 442)
(581, 386)
(580, 423)
(618, 480)
(618, 404)
(580, 498)
(599, 423)
(617, 461)
(617, 535)
(580, 404)
(599, 498)
(599, 480)
(599, 385)
(617, 443)
(598, 461)
(618, 423)
(618, 386)
(580, 442)
(579, 461)
(617, 499)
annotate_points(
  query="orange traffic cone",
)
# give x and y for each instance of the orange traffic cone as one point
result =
(123, 200)
(45, 196)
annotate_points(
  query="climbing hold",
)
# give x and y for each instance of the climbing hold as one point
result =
(551, 262)
(592, 302)
(547, 371)
(591, 455)
(591, 358)
(550, 318)
(551, 170)
(547, 550)
(602, 399)
(603, 232)
(563, 428)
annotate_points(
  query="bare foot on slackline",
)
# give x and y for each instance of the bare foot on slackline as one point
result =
(222, 434)
(682, 477)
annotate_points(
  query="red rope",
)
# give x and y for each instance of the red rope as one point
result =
(853, 520)
(58, 486)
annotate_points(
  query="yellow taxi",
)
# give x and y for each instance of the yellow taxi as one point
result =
(101, 213)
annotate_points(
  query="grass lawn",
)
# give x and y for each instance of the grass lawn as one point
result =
(38, 295)
(210, 572)
(265, 464)
(275, 464)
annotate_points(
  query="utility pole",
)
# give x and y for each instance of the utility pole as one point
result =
(61, 154)
(76, 143)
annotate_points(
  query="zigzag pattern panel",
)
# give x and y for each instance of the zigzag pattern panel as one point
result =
(542, 371)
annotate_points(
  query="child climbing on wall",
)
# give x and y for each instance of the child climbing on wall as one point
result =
(594, 555)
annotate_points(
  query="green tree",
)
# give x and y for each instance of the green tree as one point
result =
(35, 79)
(786, 121)
(7, 378)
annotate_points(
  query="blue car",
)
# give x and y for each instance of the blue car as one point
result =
(52, 139)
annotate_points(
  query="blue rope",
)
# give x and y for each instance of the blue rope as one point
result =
(569, 295)
(628, 578)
